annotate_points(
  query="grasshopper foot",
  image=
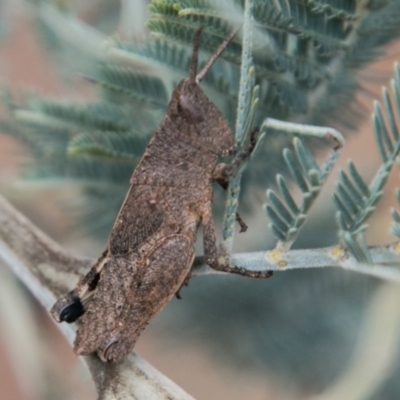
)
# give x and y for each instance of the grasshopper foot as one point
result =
(69, 308)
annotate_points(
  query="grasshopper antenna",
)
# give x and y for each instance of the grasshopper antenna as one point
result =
(195, 56)
(213, 58)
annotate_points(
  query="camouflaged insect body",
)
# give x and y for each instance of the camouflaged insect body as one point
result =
(150, 249)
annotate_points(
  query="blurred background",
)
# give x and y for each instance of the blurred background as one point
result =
(294, 336)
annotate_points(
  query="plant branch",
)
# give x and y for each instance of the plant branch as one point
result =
(385, 259)
(48, 271)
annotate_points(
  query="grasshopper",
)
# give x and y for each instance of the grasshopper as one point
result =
(150, 249)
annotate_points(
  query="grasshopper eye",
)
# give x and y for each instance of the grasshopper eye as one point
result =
(189, 110)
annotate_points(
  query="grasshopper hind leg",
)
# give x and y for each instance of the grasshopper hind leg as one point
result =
(116, 283)
(169, 265)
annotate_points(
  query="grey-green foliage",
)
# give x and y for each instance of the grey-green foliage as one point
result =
(305, 56)
(301, 50)
(285, 215)
(354, 199)
(139, 87)
(247, 102)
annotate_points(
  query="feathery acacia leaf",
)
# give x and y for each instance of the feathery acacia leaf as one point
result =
(285, 215)
(355, 200)
(245, 116)
(103, 116)
(352, 187)
(111, 145)
(140, 87)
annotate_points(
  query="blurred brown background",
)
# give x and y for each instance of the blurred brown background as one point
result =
(23, 325)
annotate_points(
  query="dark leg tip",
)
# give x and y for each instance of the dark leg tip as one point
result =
(68, 308)
(178, 295)
(71, 312)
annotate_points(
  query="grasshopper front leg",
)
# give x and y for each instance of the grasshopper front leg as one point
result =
(243, 226)
(224, 172)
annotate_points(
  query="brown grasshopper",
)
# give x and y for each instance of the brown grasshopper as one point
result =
(150, 249)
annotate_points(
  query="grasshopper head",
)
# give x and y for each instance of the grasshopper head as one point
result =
(192, 111)
(196, 116)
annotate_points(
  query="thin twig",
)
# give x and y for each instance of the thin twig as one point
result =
(385, 266)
